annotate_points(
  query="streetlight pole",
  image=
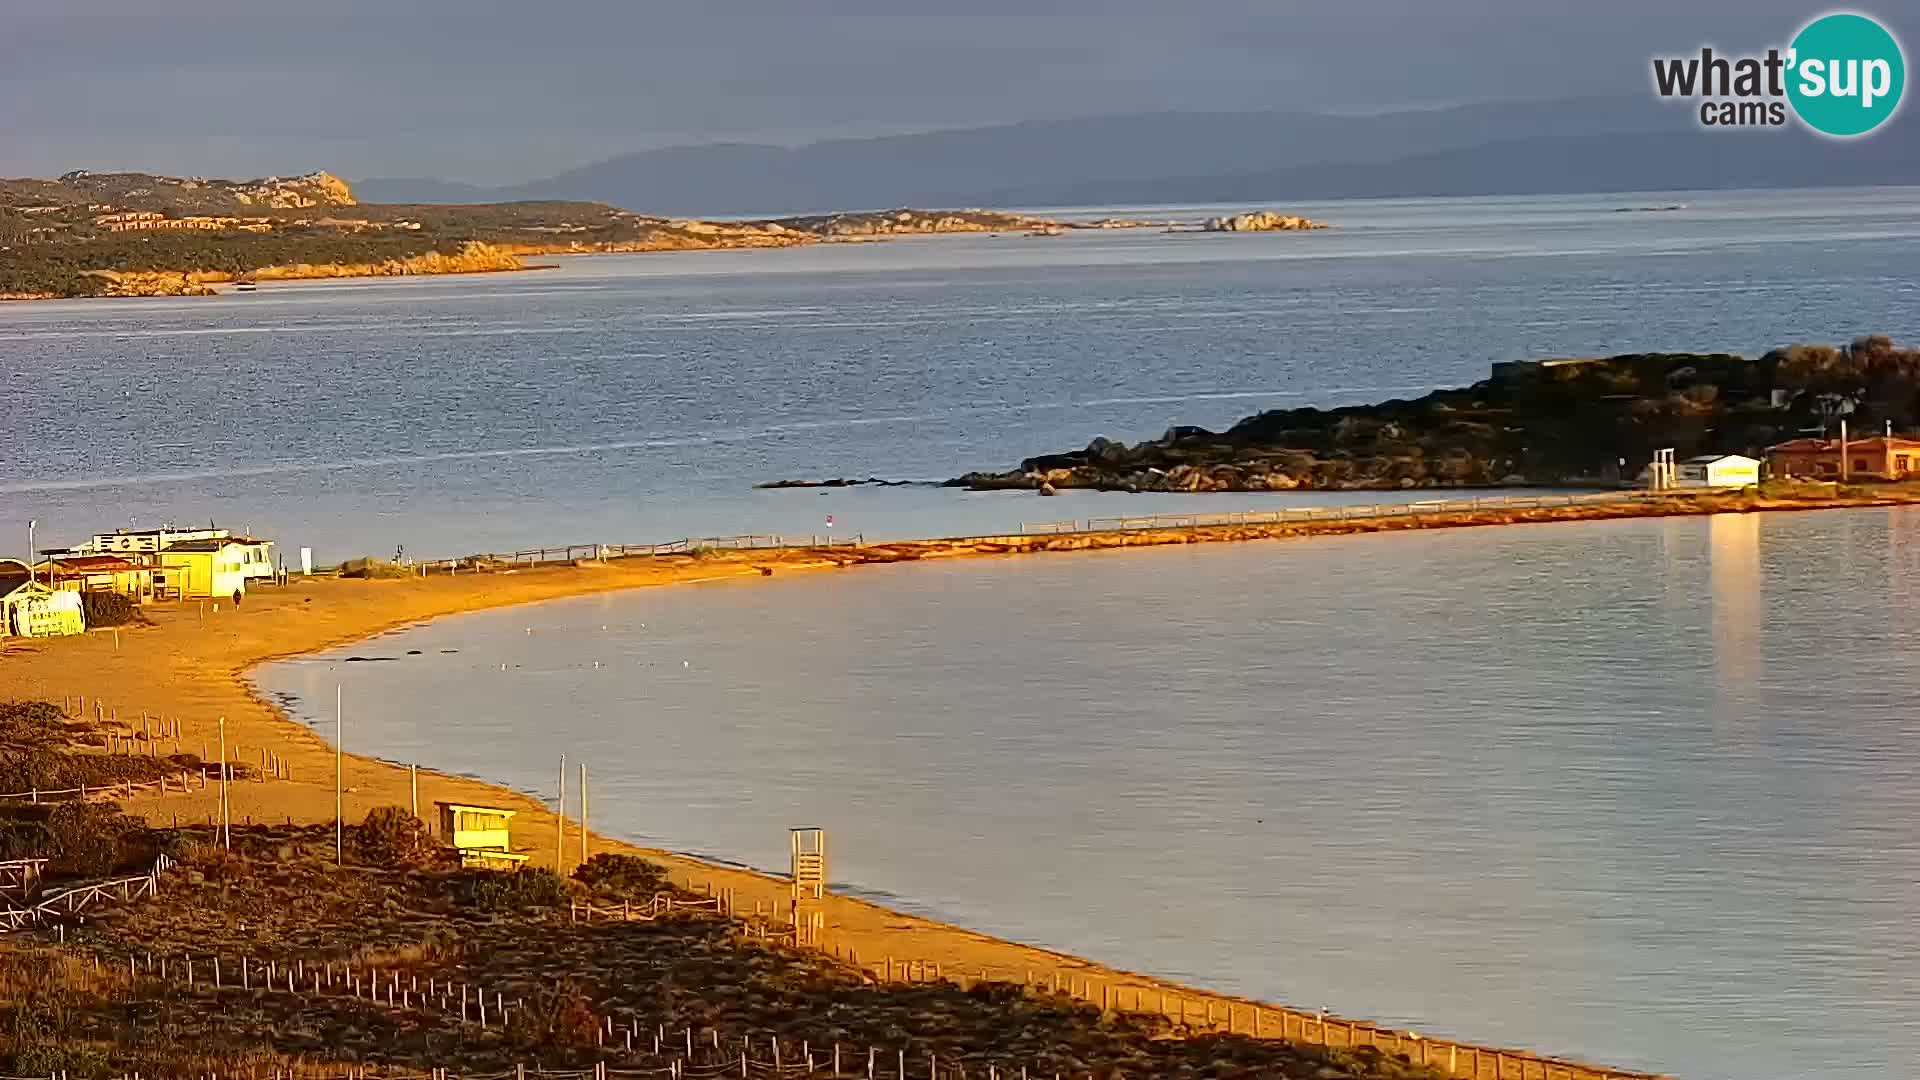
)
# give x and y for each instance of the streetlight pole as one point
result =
(339, 812)
(32, 574)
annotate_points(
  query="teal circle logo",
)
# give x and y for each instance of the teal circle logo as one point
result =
(1847, 75)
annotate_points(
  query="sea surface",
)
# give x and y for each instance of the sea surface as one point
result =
(627, 399)
(1641, 791)
(1636, 791)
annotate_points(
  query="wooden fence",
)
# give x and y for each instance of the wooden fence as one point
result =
(146, 743)
(1189, 1011)
(1357, 512)
(655, 1049)
(33, 911)
(572, 553)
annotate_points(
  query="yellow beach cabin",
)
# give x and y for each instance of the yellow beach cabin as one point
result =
(480, 834)
(214, 568)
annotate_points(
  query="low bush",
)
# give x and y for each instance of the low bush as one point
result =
(509, 891)
(560, 1016)
(84, 840)
(107, 609)
(626, 875)
(34, 725)
(390, 836)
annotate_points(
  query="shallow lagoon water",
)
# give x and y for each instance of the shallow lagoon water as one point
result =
(1637, 791)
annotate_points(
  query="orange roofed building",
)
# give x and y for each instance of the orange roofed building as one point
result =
(1877, 458)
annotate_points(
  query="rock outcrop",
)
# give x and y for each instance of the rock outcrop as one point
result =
(472, 258)
(909, 222)
(1563, 421)
(295, 193)
(1262, 221)
(155, 282)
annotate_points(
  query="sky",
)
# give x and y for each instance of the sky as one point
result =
(497, 92)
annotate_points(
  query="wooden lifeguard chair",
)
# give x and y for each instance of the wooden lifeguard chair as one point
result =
(480, 834)
(809, 863)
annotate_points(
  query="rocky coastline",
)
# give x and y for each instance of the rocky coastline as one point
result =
(1557, 422)
(134, 234)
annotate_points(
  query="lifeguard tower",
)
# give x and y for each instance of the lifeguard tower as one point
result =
(809, 884)
(809, 863)
(480, 834)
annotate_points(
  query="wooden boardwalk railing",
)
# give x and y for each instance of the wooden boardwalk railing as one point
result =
(1355, 512)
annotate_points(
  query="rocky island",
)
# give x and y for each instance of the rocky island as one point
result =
(1546, 422)
(1263, 221)
(134, 234)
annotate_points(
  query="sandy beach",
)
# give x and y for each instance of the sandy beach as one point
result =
(191, 664)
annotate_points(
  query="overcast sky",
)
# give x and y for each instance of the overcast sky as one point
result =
(496, 92)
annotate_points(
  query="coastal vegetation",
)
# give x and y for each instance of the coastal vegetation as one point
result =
(128, 986)
(1567, 421)
(131, 234)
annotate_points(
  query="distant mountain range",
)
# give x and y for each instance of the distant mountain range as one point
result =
(1628, 144)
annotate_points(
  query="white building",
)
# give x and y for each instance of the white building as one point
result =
(1718, 471)
(256, 558)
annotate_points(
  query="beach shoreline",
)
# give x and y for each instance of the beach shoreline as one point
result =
(195, 664)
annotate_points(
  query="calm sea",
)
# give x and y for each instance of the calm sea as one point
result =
(1638, 791)
(630, 399)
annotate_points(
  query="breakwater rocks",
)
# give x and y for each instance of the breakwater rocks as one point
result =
(1263, 221)
(842, 482)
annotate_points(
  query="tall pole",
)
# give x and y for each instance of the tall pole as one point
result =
(1843, 451)
(560, 823)
(583, 813)
(32, 574)
(226, 824)
(413, 780)
(339, 806)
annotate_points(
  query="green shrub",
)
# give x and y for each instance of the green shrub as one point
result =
(34, 724)
(107, 609)
(390, 836)
(78, 839)
(562, 1015)
(627, 875)
(508, 891)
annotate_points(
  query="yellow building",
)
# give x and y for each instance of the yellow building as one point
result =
(480, 834)
(214, 568)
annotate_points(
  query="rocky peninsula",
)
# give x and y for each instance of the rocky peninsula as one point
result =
(1548, 422)
(133, 234)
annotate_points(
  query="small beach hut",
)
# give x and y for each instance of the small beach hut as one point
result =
(214, 568)
(28, 608)
(480, 834)
(1719, 471)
